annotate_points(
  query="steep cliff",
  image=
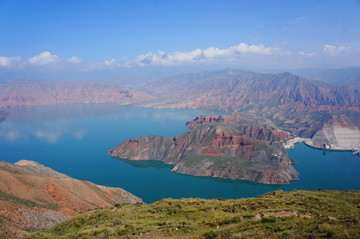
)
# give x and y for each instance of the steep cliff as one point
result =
(35, 197)
(218, 146)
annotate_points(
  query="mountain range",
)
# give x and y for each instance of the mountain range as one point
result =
(31, 92)
(231, 90)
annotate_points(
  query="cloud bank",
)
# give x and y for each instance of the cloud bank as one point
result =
(242, 55)
(208, 55)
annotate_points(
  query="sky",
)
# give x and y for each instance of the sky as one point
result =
(42, 37)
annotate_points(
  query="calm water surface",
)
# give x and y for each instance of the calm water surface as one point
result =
(74, 139)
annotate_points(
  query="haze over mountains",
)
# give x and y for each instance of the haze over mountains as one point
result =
(29, 92)
(231, 90)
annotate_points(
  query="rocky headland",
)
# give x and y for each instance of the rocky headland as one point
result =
(34, 197)
(219, 146)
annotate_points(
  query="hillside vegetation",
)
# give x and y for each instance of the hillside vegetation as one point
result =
(296, 214)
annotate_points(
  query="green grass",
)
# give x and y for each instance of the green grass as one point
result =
(296, 214)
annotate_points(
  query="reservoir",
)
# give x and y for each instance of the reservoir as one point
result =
(74, 139)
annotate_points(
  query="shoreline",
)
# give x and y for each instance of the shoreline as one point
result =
(307, 141)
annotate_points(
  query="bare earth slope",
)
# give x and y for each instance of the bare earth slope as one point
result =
(218, 146)
(34, 197)
(30, 92)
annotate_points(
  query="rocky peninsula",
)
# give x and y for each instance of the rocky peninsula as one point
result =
(219, 146)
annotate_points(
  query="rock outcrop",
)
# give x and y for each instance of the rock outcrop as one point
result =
(30, 92)
(34, 197)
(219, 146)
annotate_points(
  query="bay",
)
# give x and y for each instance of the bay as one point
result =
(74, 139)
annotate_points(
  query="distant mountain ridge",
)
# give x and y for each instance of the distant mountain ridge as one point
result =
(232, 90)
(31, 92)
(341, 76)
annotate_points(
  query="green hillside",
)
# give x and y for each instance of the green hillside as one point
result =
(296, 214)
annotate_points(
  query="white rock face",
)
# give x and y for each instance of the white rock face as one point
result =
(338, 138)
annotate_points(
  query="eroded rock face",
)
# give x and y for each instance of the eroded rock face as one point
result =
(35, 197)
(218, 146)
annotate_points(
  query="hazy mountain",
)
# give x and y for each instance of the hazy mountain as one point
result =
(232, 90)
(343, 76)
(29, 92)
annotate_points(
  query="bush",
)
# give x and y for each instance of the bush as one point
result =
(210, 235)
(268, 219)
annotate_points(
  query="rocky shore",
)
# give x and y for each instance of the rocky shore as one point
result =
(218, 146)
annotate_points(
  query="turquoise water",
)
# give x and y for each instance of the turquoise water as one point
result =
(74, 139)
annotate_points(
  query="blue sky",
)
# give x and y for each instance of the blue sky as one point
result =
(76, 35)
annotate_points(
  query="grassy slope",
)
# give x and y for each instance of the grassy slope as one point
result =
(296, 214)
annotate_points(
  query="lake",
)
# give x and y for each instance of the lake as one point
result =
(74, 139)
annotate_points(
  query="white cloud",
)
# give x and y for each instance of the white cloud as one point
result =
(74, 60)
(110, 63)
(8, 61)
(205, 55)
(43, 58)
(309, 54)
(335, 50)
(241, 55)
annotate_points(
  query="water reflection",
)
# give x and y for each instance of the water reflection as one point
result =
(160, 165)
(50, 123)
(75, 139)
(44, 113)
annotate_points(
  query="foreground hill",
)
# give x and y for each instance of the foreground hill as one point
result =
(34, 197)
(30, 92)
(296, 214)
(231, 90)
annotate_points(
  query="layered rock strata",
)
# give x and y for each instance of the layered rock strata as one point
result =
(218, 146)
